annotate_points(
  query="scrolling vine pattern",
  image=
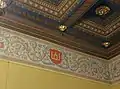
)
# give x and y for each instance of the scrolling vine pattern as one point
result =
(36, 51)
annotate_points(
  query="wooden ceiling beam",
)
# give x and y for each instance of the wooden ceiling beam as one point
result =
(82, 9)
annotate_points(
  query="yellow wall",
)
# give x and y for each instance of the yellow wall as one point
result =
(18, 76)
(116, 86)
(3, 74)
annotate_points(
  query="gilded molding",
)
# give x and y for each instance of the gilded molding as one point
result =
(95, 28)
(48, 9)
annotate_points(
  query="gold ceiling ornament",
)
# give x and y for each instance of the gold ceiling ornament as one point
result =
(102, 10)
(3, 4)
(62, 28)
(106, 44)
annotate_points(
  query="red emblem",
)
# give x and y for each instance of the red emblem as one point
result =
(56, 56)
(1, 45)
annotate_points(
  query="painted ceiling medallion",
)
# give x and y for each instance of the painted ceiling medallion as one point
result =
(102, 10)
(62, 28)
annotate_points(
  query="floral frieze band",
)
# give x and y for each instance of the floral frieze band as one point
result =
(20, 47)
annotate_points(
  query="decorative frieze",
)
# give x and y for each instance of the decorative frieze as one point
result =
(28, 49)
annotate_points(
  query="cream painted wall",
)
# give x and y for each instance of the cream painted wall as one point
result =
(20, 76)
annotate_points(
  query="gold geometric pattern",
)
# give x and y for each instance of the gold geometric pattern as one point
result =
(99, 29)
(48, 9)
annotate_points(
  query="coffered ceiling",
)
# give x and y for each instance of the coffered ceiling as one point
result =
(90, 26)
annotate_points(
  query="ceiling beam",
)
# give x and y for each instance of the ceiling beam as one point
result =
(82, 9)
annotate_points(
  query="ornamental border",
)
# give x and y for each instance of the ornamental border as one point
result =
(16, 46)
